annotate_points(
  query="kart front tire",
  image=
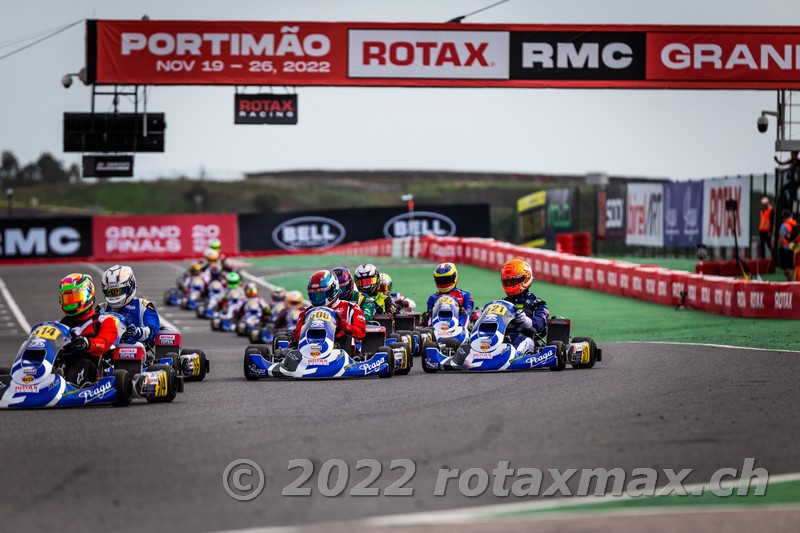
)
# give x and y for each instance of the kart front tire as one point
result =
(123, 384)
(247, 362)
(450, 343)
(389, 362)
(425, 356)
(561, 356)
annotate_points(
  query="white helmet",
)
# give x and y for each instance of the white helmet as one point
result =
(119, 286)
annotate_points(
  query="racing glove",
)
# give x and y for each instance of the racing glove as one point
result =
(137, 333)
(80, 344)
(523, 320)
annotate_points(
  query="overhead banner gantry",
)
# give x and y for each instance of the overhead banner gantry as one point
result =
(194, 52)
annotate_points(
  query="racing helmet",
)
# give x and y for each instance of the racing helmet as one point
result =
(198, 284)
(345, 279)
(385, 283)
(215, 270)
(215, 244)
(195, 269)
(251, 290)
(232, 280)
(278, 294)
(323, 288)
(367, 278)
(446, 277)
(211, 255)
(76, 294)
(295, 298)
(119, 286)
(516, 276)
(215, 287)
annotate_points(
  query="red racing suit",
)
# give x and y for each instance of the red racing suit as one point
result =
(101, 335)
(351, 320)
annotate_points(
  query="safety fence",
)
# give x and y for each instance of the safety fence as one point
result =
(713, 294)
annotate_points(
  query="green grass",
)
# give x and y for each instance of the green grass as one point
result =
(605, 317)
(777, 494)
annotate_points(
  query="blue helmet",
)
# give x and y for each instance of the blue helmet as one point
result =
(345, 280)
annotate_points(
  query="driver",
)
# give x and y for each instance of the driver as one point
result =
(92, 337)
(323, 291)
(446, 278)
(530, 319)
(141, 317)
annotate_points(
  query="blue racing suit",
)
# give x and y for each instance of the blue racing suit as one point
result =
(141, 318)
(463, 298)
(530, 319)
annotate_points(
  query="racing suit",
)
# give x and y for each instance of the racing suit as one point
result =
(141, 319)
(465, 302)
(384, 304)
(529, 322)
(350, 326)
(81, 365)
(366, 303)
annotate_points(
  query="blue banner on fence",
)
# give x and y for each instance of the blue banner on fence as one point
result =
(683, 213)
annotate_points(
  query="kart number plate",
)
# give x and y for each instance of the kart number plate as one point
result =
(496, 309)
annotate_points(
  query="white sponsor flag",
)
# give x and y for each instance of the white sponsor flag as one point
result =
(645, 224)
(717, 220)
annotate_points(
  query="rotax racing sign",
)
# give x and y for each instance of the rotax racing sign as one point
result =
(153, 52)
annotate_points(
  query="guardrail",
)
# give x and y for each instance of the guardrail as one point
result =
(713, 294)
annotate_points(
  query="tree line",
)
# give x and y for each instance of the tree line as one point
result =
(46, 169)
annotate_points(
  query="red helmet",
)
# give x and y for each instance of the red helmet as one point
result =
(323, 288)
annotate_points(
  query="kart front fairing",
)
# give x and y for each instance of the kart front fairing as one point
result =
(488, 350)
(445, 319)
(316, 356)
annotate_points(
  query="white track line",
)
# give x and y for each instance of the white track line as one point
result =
(12, 304)
(160, 315)
(706, 344)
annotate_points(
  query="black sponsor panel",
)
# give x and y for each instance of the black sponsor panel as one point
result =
(265, 109)
(323, 229)
(33, 238)
(114, 132)
(568, 55)
(611, 213)
(108, 166)
(561, 206)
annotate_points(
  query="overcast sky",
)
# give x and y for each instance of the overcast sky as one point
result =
(678, 134)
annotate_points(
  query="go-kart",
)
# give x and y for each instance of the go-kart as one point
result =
(265, 332)
(190, 363)
(250, 318)
(208, 308)
(197, 291)
(488, 348)
(317, 355)
(445, 325)
(36, 378)
(405, 328)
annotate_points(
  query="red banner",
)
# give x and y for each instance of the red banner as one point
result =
(169, 52)
(161, 236)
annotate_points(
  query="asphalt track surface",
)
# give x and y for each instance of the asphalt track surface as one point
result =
(160, 467)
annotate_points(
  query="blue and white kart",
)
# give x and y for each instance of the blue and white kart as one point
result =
(488, 348)
(445, 321)
(316, 356)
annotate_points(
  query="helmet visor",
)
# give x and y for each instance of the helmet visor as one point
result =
(367, 282)
(445, 281)
(513, 280)
(320, 296)
(114, 292)
(71, 297)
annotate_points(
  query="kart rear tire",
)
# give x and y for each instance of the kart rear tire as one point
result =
(123, 384)
(410, 335)
(205, 366)
(561, 356)
(407, 358)
(200, 311)
(172, 383)
(255, 333)
(424, 356)
(176, 361)
(592, 352)
(389, 362)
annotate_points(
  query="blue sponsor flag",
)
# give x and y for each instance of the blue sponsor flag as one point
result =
(683, 214)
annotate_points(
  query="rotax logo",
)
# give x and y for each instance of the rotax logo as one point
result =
(308, 232)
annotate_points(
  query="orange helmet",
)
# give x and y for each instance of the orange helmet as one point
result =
(516, 276)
